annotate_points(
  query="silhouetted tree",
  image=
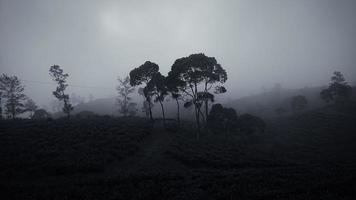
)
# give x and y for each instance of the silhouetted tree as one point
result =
(173, 89)
(12, 91)
(195, 70)
(298, 103)
(157, 87)
(222, 119)
(30, 106)
(338, 91)
(145, 106)
(60, 77)
(124, 89)
(143, 74)
(41, 114)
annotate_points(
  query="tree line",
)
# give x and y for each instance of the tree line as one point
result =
(192, 81)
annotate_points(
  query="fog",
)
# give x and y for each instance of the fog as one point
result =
(259, 43)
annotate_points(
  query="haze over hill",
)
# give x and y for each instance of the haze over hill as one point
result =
(259, 43)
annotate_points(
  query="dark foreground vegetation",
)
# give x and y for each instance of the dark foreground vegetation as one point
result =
(310, 155)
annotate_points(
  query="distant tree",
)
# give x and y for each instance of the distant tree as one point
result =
(41, 114)
(298, 103)
(222, 119)
(30, 106)
(338, 91)
(158, 89)
(194, 76)
(124, 89)
(142, 75)
(12, 91)
(60, 77)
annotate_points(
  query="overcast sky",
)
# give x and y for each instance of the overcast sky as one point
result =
(259, 42)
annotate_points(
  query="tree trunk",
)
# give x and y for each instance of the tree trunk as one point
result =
(149, 108)
(206, 109)
(163, 115)
(197, 118)
(178, 114)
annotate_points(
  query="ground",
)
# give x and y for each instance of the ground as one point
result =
(311, 155)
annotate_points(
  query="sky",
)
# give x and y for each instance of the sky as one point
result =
(296, 43)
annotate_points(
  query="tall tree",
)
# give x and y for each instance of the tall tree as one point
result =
(31, 107)
(60, 77)
(194, 76)
(173, 89)
(12, 90)
(142, 75)
(124, 89)
(338, 91)
(157, 88)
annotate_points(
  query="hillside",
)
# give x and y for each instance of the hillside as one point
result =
(311, 155)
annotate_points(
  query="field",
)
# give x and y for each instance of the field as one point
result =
(310, 155)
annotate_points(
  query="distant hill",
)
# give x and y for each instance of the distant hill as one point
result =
(263, 104)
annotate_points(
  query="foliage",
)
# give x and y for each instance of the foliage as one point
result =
(41, 114)
(30, 106)
(60, 77)
(142, 75)
(157, 88)
(124, 89)
(12, 90)
(298, 103)
(222, 119)
(188, 73)
(338, 91)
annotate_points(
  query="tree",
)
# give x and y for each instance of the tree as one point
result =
(142, 75)
(338, 91)
(298, 103)
(194, 76)
(145, 106)
(222, 119)
(60, 77)
(12, 91)
(157, 88)
(30, 106)
(41, 114)
(124, 89)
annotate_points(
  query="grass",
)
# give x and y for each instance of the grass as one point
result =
(311, 155)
